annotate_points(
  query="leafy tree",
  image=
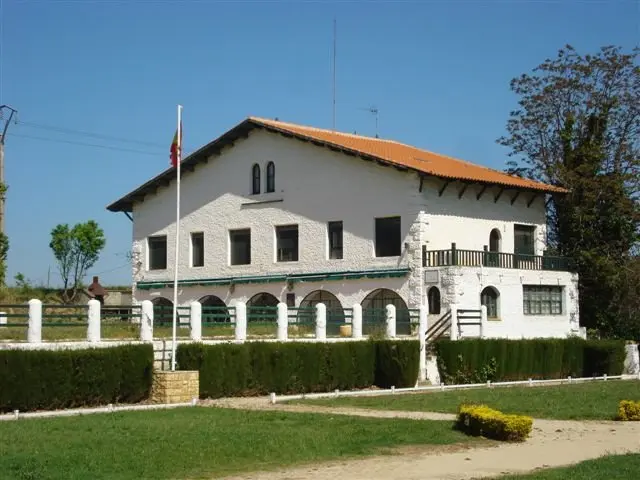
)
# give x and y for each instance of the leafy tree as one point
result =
(76, 250)
(578, 126)
(4, 250)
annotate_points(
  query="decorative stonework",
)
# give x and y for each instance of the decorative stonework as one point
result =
(175, 387)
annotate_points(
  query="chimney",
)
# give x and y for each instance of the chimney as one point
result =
(96, 289)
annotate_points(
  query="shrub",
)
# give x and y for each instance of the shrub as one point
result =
(629, 410)
(258, 368)
(481, 420)
(478, 360)
(47, 380)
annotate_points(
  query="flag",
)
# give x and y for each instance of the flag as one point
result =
(176, 148)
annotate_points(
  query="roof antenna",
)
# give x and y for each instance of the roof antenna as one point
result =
(373, 110)
(334, 71)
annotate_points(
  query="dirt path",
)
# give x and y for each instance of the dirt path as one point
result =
(552, 443)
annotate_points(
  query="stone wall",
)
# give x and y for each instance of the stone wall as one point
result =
(175, 387)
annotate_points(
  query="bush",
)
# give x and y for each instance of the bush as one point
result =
(258, 368)
(629, 410)
(478, 360)
(48, 380)
(481, 420)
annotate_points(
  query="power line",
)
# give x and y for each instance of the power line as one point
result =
(95, 145)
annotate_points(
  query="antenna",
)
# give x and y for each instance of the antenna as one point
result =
(334, 71)
(373, 110)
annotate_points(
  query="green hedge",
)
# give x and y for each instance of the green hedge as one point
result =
(258, 368)
(477, 360)
(48, 380)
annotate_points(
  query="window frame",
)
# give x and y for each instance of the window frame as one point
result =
(495, 298)
(519, 231)
(256, 178)
(233, 232)
(192, 250)
(270, 186)
(338, 249)
(397, 219)
(279, 229)
(434, 291)
(150, 250)
(541, 295)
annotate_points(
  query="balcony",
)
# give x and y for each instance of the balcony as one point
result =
(478, 258)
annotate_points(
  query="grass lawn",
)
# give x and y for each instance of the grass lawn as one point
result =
(613, 467)
(198, 442)
(594, 400)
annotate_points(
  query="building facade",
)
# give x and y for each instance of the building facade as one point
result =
(276, 212)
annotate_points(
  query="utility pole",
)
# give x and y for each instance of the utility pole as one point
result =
(6, 117)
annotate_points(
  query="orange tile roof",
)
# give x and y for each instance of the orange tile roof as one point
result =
(407, 156)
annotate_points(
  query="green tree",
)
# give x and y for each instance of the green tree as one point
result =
(578, 126)
(76, 250)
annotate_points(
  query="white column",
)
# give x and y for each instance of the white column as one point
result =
(283, 321)
(241, 321)
(34, 332)
(3, 318)
(356, 321)
(422, 333)
(93, 321)
(321, 321)
(454, 322)
(195, 320)
(483, 321)
(390, 312)
(146, 321)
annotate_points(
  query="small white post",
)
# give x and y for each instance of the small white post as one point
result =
(356, 321)
(454, 323)
(422, 334)
(283, 321)
(3, 318)
(483, 321)
(146, 321)
(321, 322)
(195, 320)
(34, 332)
(390, 312)
(241, 321)
(93, 321)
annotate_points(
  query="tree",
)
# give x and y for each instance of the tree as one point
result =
(76, 250)
(578, 126)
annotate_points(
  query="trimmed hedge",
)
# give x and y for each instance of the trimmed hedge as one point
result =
(478, 360)
(480, 420)
(49, 380)
(628, 410)
(258, 368)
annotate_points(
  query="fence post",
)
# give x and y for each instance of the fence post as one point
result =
(483, 321)
(34, 332)
(93, 321)
(453, 334)
(195, 320)
(146, 321)
(241, 321)
(422, 334)
(283, 321)
(321, 321)
(356, 321)
(390, 314)
(3, 318)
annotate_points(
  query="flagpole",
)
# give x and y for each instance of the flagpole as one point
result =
(177, 257)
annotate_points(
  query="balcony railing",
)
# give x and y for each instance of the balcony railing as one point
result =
(477, 258)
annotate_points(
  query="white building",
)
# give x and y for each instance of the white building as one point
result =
(276, 212)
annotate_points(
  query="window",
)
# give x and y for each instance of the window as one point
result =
(335, 240)
(197, 249)
(494, 240)
(240, 246)
(271, 177)
(158, 252)
(291, 300)
(542, 300)
(255, 175)
(388, 237)
(489, 298)
(433, 296)
(287, 243)
(524, 240)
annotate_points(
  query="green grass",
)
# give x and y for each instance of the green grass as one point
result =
(198, 442)
(612, 467)
(594, 400)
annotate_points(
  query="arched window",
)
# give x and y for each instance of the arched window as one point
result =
(489, 298)
(434, 301)
(373, 311)
(214, 310)
(271, 177)
(162, 310)
(262, 308)
(255, 174)
(494, 240)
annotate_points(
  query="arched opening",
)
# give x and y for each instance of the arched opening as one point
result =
(255, 176)
(494, 240)
(214, 310)
(262, 308)
(335, 312)
(271, 177)
(374, 311)
(162, 310)
(433, 296)
(489, 298)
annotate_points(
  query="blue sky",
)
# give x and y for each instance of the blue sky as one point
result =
(438, 71)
